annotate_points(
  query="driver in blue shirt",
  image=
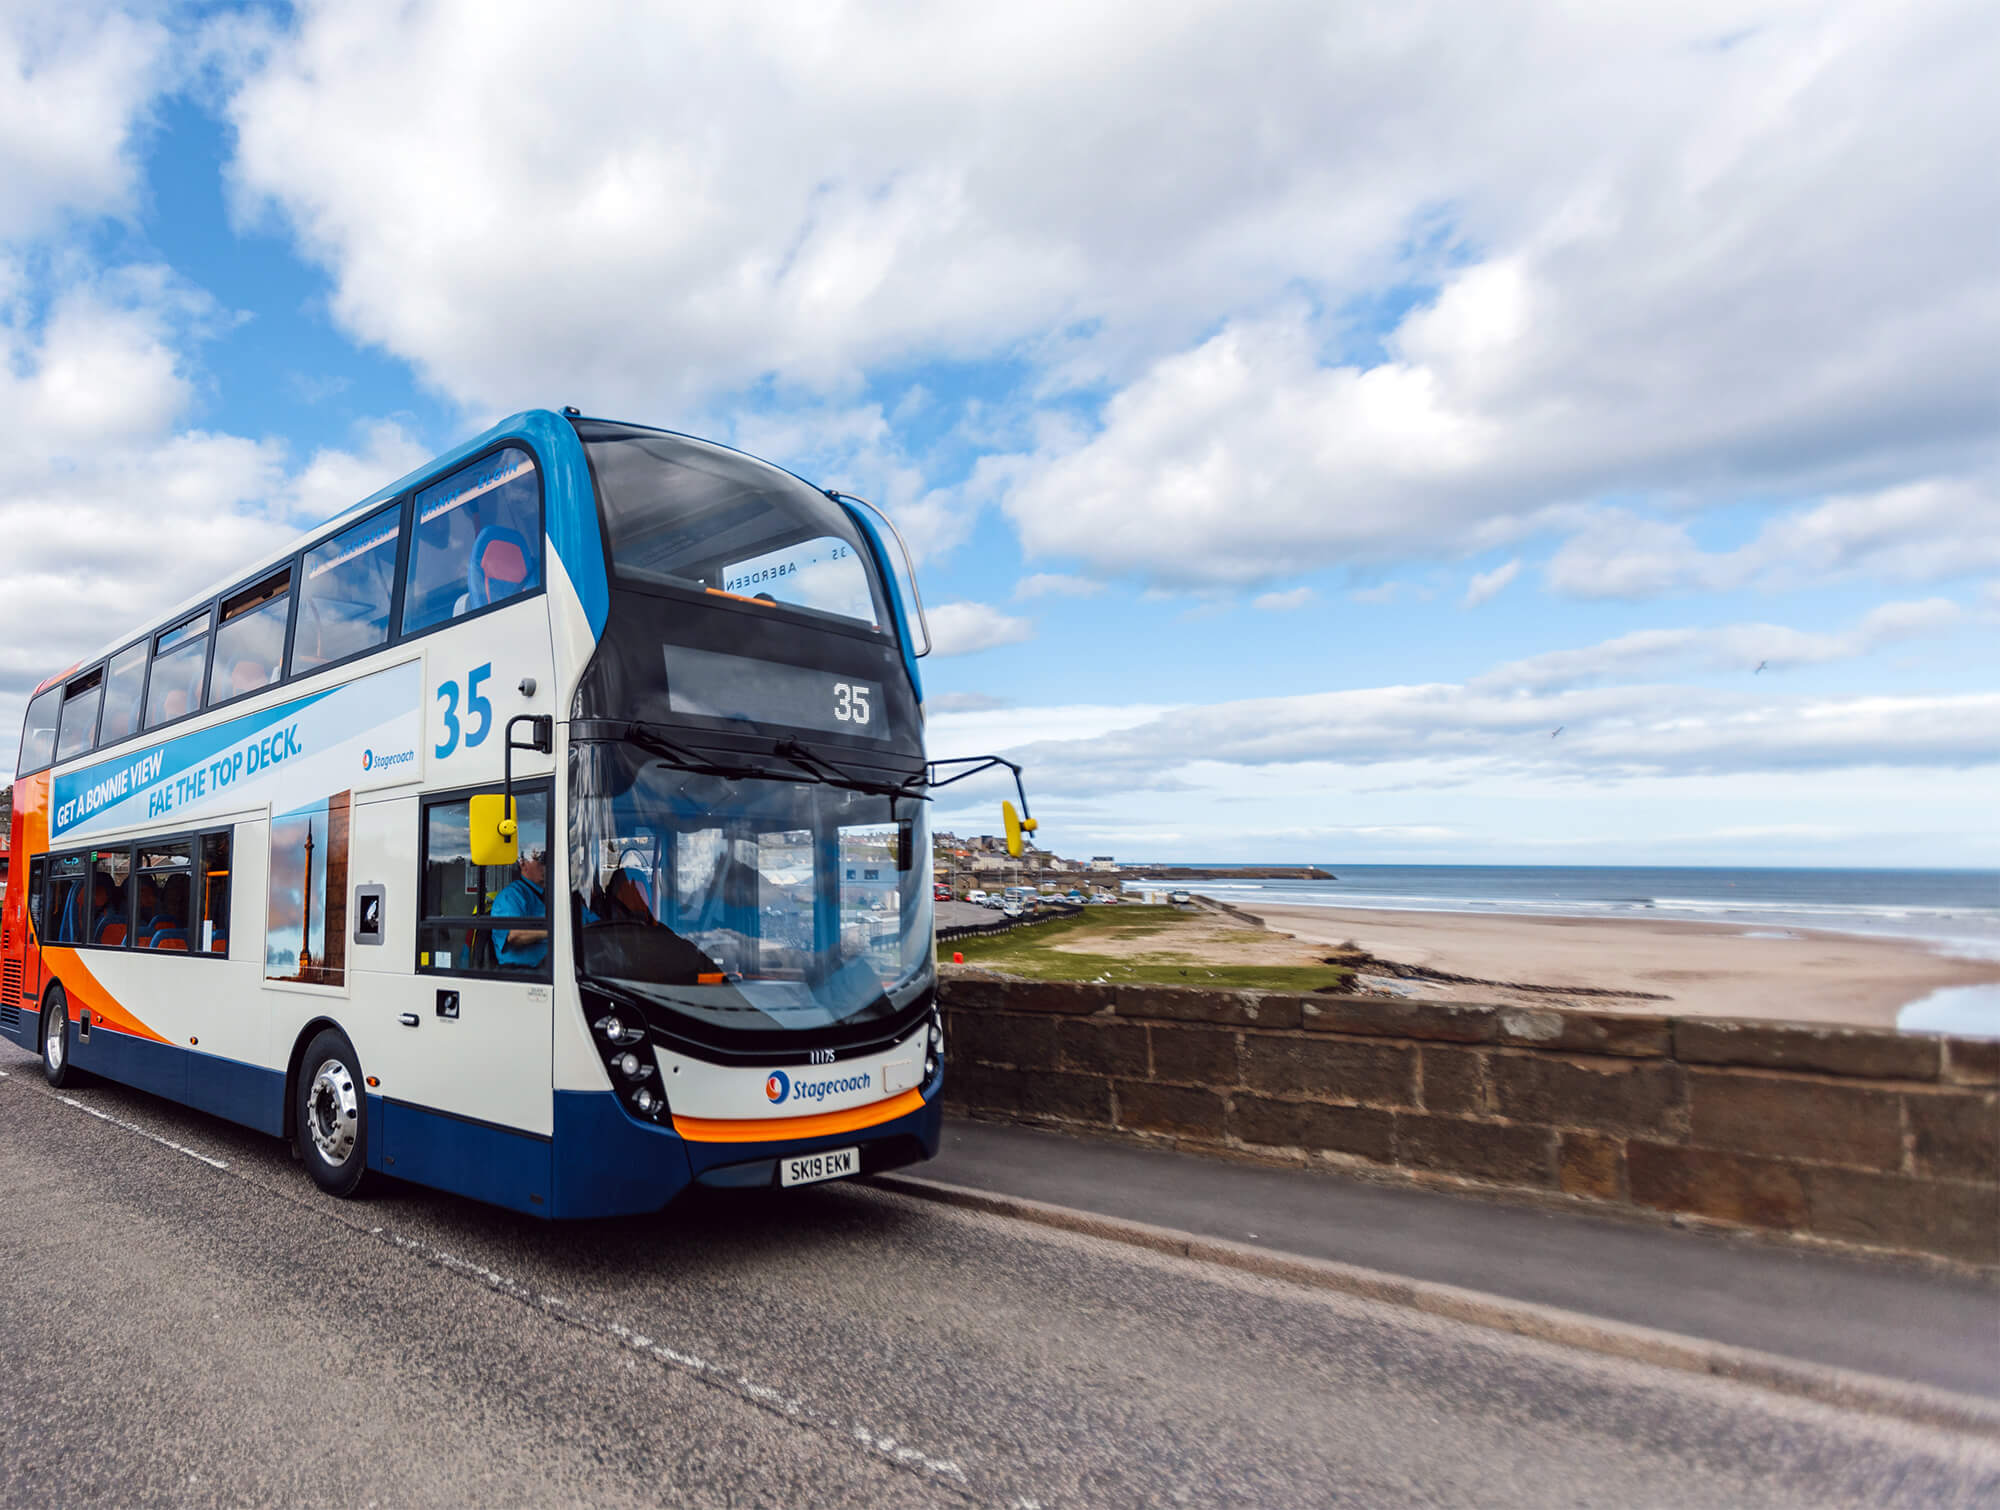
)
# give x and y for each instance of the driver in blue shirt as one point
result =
(524, 897)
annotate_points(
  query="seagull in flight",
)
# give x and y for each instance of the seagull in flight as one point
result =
(1760, 668)
(1559, 729)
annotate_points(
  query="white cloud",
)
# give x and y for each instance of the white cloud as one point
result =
(112, 506)
(962, 628)
(334, 480)
(1916, 532)
(74, 81)
(1609, 733)
(1283, 602)
(1488, 584)
(1045, 584)
(819, 196)
(1733, 647)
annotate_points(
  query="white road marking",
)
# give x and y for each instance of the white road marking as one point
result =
(718, 1375)
(135, 1128)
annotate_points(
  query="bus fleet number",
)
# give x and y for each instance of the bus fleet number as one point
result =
(850, 702)
(477, 705)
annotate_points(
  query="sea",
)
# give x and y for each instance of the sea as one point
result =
(1956, 912)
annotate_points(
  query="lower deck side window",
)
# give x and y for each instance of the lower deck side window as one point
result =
(170, 895)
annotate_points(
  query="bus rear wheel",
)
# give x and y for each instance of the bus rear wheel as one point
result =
(331, 1115)
(56, 1066)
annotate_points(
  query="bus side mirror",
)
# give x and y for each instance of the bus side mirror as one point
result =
(493, 829)
(1016, 826)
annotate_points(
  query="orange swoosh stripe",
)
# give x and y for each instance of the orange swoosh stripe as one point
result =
(775, 1129)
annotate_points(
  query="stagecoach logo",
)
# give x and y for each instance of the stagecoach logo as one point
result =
(370, 761)
(780, 1087)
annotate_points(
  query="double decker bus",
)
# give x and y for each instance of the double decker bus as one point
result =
(550, 828)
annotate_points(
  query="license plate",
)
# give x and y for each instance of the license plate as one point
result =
(808, 1168)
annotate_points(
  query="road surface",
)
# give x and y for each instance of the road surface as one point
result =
(185, 1319)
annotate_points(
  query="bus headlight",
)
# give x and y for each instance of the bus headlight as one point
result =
(615, 1029)
(628, 1065)
(646, 1102)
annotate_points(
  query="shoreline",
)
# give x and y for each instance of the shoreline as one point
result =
(1670, 966)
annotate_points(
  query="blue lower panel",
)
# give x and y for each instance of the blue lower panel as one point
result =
(142, 1063)
(246, 1093)
(27, 1032)
(475, 1159)
(608, 1164)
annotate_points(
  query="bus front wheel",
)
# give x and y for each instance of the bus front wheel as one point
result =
(56, 1066)
(332, 1115)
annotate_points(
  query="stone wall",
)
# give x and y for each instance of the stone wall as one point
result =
(1851, 1136)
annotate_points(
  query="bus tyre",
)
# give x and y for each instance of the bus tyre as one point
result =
(332, 1115)
(56, 1066)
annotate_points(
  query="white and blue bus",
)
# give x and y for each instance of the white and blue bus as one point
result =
(255, 866)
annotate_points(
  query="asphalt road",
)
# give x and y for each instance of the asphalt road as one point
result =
(188, 1321)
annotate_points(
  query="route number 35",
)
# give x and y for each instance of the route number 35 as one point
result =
(477, 706)
(850, 702)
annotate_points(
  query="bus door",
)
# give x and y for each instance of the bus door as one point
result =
(29, 960)
(471, 1074)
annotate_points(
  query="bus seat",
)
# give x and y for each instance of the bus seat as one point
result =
(111, 931)
(499, 566)
(171, 938)
(174, 704)
(247, 676)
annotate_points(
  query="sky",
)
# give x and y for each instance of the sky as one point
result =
(1416, 433)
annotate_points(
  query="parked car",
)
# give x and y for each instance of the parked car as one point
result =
(1012, 909)
(976, 897)
(1180, 898)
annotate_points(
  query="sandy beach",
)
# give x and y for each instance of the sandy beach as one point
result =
(1713, 969)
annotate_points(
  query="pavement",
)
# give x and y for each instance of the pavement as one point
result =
(185, 1319)
(1900, 1322)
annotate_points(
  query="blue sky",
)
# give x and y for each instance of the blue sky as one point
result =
(1301, 411)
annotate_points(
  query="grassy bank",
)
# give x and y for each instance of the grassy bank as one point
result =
(1150, 945)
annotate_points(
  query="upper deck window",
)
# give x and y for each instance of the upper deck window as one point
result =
(124, 682)
(79, 715)
(683, 513)
(478, 540)
(179, 657)
(38, 733)
(250, 643)
(345, 592)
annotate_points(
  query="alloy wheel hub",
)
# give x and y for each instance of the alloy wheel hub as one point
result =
(333, 1112)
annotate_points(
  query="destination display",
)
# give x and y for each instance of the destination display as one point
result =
(708, 684)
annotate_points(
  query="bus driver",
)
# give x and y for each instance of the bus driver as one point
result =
(524, 897)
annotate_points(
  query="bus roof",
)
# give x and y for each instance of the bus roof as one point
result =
(570, 518)
(537, 426)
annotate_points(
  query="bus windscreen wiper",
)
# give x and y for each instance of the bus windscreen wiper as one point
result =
(822, 769)
(683, 758)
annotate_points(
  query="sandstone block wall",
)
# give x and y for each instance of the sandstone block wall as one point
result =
(1858, 1137)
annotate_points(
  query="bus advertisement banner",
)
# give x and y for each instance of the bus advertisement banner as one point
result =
(360, 735)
